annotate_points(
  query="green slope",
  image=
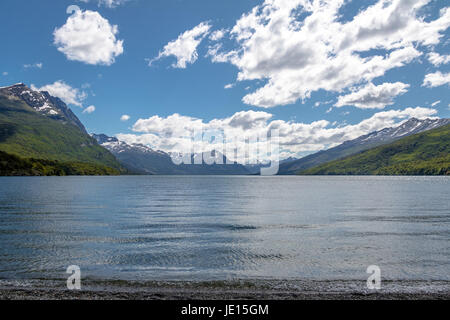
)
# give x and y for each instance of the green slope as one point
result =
(11, 165)
(28, 134)
(426, 153)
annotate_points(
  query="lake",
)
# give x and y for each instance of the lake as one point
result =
(223, 227)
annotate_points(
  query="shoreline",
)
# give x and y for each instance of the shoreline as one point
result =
(227, 290)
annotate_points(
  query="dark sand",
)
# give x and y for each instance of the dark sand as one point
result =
(225, 290)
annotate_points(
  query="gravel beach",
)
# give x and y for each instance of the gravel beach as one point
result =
(225, 290)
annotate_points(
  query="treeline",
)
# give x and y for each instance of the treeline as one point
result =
(12, 165)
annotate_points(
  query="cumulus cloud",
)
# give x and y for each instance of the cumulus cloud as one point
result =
(89, 109)
(5, 73)
(436, 79)
(372, 96)
(89, 38)
(184, 48)
(64, 91)
(302, 46)
(174, 133)
(436, 59)
(173, 125)
(124, 118)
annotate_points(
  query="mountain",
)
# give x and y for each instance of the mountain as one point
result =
(142, 159)
(371, 140)
(35, 125)
(426, 153)
(137, 157)
(43, 103)
(256, 168)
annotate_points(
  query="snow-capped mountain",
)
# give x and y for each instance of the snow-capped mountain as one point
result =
(44, 103)
(368, 141)
(143, 159)
(115, 146)
(412, 126)
(37, 126)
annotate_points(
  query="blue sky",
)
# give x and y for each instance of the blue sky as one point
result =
(353, 67)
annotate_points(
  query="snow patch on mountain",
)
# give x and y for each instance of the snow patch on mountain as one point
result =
(43, 103)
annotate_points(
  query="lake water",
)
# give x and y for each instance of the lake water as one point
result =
(211, 227)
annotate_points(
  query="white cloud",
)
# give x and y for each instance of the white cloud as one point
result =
(319, 103)
(64, 91)
(436, 59)
(435, 103)
(184, 48)
(106, 3)
(217, 56)
(322, 52)
(229, 86)
(217, 35)
(173, 133)
(89, 109)
(5, 73)
(37, 65)
(372, 96)
(436, 79)
(172, 125)
(89, 38)
(124, 118)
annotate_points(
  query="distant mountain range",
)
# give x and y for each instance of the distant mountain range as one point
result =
(37, 126)
(142, 159)
(366, 142)
(40, 135)
(426, 153)
(256, 168)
